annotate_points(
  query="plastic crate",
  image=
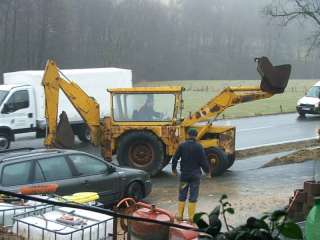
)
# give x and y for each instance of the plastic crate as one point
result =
(43, 224)
(8, 210)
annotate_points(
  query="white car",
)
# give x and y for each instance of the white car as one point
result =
(310, 103)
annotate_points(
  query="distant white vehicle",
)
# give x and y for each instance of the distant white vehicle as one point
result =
(22, 100)
(310, 103)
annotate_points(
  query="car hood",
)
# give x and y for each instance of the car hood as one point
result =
(130, 171)
(308, 100)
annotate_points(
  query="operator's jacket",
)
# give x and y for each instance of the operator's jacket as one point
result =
(193, 159)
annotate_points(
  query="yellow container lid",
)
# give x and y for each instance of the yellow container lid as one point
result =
(82, 197)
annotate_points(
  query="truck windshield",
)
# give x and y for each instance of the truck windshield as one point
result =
(3, 95)
(314, 92)
(143, 107)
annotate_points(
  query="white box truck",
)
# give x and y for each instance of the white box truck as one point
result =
(22, 100)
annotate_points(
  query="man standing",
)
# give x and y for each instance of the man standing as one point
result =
(193, 159)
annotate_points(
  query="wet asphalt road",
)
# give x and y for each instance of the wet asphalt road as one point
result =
(255, 131)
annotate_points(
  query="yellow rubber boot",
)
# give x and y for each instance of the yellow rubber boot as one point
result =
(180, 210)
(191, 210)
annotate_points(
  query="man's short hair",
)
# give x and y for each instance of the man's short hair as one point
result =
(192, 132)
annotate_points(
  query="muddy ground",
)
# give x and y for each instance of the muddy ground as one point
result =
(251, 186)
(261, 180)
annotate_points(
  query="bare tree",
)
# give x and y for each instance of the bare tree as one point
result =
(288, 11)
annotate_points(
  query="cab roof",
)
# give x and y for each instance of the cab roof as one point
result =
(8, 87)
(167, 89)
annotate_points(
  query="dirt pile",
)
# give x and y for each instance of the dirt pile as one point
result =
(295, 157)
(263, 150)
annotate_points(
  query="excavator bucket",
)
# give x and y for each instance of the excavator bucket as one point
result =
(64, 135)
(274, 78)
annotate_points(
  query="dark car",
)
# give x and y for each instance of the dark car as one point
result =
(73, 171)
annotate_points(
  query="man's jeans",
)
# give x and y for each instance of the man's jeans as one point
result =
(191, 186)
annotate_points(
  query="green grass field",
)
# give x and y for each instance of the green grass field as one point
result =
(199, 92)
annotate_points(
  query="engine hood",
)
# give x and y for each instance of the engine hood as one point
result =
(308, 100)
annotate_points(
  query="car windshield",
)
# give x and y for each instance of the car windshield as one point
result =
(3, 95)
(314, 92)
(144, 107)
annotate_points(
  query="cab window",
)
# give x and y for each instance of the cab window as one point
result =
(18, 100)
(314, 92)
(143, 107)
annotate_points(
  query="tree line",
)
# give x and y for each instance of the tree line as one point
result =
(158, 40)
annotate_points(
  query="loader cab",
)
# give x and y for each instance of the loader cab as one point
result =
(151, 105)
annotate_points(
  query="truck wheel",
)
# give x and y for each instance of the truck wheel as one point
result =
(84, 134)
(231, 159)
(302, 114)
(142, 150)
(4, 141)
(218, 160)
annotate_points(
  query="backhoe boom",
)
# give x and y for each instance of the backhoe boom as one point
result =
(274, 81)
(86, 106)
(229, 97)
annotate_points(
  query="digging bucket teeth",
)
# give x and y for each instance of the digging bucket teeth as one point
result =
(274, 78)
(65, 135)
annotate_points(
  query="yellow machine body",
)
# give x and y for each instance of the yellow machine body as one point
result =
(146, 143)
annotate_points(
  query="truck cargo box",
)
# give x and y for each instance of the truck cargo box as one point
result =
(93, 81)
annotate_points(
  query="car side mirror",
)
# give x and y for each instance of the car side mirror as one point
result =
(111, 169)
(5, 109)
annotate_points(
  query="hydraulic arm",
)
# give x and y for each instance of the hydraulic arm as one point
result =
(274, 80)
(86, 106)
(229, 97)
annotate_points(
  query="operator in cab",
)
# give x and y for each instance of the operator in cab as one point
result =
(147, 112)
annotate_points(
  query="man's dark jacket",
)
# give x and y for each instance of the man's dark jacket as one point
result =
(193, 158)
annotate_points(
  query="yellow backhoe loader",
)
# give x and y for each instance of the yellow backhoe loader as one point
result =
(146, 124)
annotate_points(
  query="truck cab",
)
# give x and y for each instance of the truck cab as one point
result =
(310, 103)
(17, 112)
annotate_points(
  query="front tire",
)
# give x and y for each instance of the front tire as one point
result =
(218, 161)
(302, 114)
(4, 141)
(142, 150)
(231, 159)
(135, 191)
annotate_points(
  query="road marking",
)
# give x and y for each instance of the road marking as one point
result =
(278, 143)
(252, 129)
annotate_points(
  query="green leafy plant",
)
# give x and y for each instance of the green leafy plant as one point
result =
(271, 226)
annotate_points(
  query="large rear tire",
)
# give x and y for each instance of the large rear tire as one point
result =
(142, 150)
(218, 161)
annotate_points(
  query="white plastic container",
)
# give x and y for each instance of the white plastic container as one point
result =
(8, 210)
(44, 225)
